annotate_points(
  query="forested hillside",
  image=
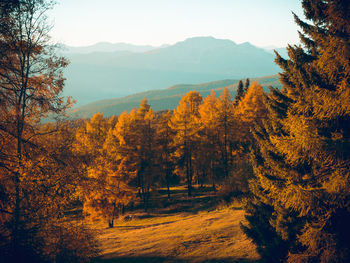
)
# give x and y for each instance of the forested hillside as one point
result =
(164, 99)
(235, 170)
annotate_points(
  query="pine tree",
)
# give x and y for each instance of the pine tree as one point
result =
(240, 92)
(246, 85)
(302, 150)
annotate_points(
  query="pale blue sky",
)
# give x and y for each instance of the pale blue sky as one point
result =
(156, 22)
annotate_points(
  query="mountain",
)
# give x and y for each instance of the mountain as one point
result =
(100, 74)
(165, 98)
(107, 47)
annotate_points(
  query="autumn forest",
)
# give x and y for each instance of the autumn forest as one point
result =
(247, 174)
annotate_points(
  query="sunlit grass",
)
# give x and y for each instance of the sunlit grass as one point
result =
(201, 236)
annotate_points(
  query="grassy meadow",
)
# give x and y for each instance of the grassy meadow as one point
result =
(197, 229)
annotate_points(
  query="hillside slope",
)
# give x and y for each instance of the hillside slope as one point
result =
(203, 237)
(179, 229)
(163, 99)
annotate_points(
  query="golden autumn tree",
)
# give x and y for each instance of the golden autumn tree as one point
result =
(251, 107)
(105, 187)
(32, 181)
(209, 157)
(54, 173)
(301, 159)
(165, 149)
(185, 123)
(136, 135)
(226, 126)
(250, 110)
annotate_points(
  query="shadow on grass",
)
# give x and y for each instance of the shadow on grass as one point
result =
(193, 205)
(150, 259)
(143, 226)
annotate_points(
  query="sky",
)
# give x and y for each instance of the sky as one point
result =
(156, 22)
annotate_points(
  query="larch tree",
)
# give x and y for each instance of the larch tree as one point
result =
(251, 107)
(302, 154)
(185, 123)
(89, 146)
(250, 110)
(226, 128)
(136, 134)
(105, 186)
(164, 136)
(209, 154)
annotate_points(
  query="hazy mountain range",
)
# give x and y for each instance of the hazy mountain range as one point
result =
(165, 98)
(109, 47)
(108, 70)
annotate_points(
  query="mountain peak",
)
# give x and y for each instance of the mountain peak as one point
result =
(246, 44)
(206, 41)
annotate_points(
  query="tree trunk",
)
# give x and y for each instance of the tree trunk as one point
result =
(168, 184)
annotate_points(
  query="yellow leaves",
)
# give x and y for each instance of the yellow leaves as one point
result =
(122, 127)
(251, 107)
(209, 111)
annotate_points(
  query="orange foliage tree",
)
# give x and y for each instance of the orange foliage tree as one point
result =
(105, 188)
(33, 157)
(136, 135)
(210, 136)
(186, 125)
(165, 149)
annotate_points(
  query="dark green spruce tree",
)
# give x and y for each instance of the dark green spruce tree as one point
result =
(240, 92)
(246, 85)
(301, 156)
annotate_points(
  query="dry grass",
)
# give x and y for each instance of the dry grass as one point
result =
(203, 236)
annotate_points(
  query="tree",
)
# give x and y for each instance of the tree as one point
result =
(246, 85)
(302, 151)
(105, 184)
(225, 127)
(240, 92)
(48, 188)
(209, 154)
(30, 85)
(136, 134)
(251, 107)
(164, 135)
(186, 125)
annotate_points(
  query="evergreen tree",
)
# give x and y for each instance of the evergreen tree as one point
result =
(246, 85)
(302, 153)
(240, 92)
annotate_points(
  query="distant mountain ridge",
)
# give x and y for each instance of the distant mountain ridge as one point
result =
(104, 74)
(107, 47)
(164, 99)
